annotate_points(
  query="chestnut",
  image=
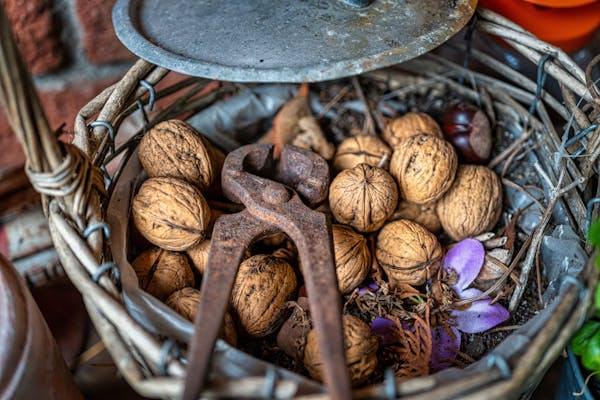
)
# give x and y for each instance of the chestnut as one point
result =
(468, 129)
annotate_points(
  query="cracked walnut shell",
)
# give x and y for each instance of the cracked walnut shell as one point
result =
(185, 303)
(424, 167)
(410, 124)
(473, 204)
(170, 213)
(352, 257)
(363, 197)
(367, 149)
(262, 287)
(360, 347)
(407, 252)
(161, 272)
(174, 148)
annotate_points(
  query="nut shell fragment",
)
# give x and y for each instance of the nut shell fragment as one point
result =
(424, 167)
(161, 272)
(473, 204)
(292, 335)
(360, 347)
(363, 197)
(263, 285)
(170, 213)
(407, 252)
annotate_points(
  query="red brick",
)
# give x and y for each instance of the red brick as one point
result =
(100, 43)
(61, 106)
(37, 33)
(11, 153)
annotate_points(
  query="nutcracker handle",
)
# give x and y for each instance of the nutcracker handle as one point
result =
(231, 235)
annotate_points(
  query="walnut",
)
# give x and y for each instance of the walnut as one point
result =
(424, 167)
(410, 124)
(423, 214)
(262, 286)
(170, 213)
(292, 335)
(162, 272)
(352, 257)
(407, 252)
(363, 197)
(198, 255)
(185, 303)
(360, 349)
(473, 204)
(174, 148)
(367, 149)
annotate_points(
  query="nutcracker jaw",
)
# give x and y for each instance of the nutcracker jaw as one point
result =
(272, 204)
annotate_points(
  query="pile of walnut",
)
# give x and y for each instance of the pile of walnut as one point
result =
(390, 198)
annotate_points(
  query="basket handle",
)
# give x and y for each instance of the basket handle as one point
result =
(22, 105)
(55, 169)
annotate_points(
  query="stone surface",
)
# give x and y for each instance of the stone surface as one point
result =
(100, 43)
(37, 32)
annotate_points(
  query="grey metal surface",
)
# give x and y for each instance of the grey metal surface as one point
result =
(284, 40)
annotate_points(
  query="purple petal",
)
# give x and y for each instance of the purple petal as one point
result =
(466, 259)
(384, 328)
(445, 347)
(371, 287)
(481, 315)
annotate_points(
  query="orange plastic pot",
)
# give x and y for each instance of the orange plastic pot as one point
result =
(568, 24)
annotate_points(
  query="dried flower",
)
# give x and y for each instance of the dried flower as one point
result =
(463, 262)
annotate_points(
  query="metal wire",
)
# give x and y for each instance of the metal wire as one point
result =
(542, 74)
(391, 391)
(104, 268)
(495, 360)
(270, 382)
(588, 215)
(169, 348)
(94, 227)
(111, 131)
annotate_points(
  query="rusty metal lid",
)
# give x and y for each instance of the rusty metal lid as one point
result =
(285, 40)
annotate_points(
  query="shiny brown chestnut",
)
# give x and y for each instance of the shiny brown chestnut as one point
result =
(468, 129)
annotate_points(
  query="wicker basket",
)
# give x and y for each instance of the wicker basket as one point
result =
(79, 193)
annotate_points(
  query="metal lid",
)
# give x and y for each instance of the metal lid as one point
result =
(285, 40)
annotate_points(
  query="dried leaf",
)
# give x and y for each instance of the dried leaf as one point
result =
(311, 137)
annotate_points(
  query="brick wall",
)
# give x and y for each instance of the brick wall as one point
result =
(70, 48)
